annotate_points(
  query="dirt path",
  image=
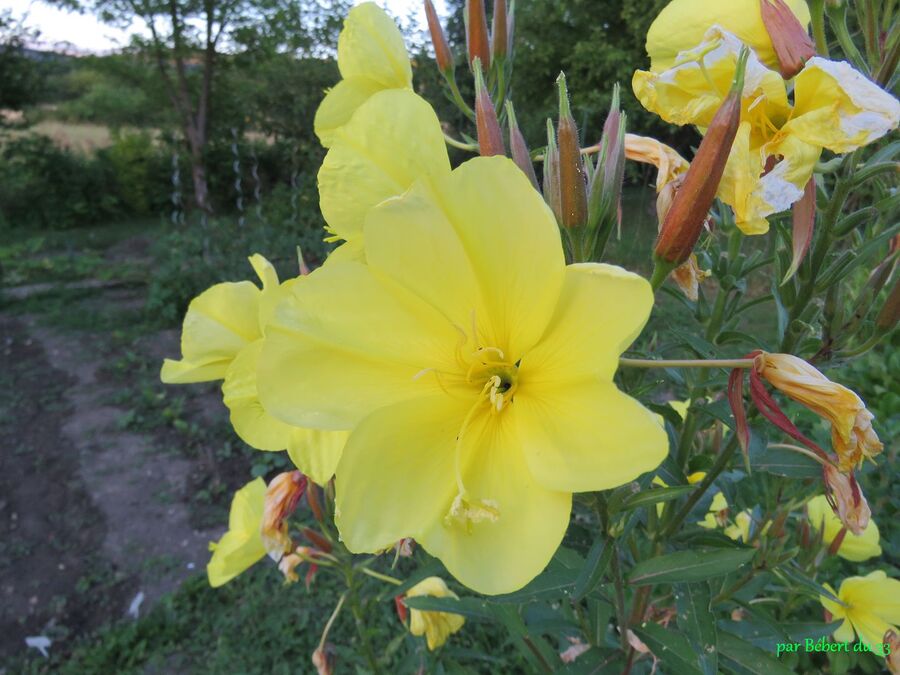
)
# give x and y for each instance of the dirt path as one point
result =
(91, 515)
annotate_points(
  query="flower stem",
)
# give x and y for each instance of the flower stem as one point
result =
(817, 12)
(619, 583)
(453, 143)
(685, 363)
(380, 576)
(458, 99)
(331, 619)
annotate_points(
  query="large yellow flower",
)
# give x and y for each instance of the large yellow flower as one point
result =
(777, 144)
(475, 370)
(683, 23)
(394, 139)
(371, 57)
(435, 626)
(853, 547)
(871, 608)
(221, 338)
(242, 545)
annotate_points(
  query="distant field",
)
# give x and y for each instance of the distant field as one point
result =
(73, 135)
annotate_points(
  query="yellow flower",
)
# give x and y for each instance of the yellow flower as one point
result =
(740, 529)
(475, 370)
(394, 139)
(682, 24)
(852, 435)
(435, 626)
(221, 338)
(371, 57)
(777, 144)
(872, 609)
(853, 547)
(717, 516)
(242, 545)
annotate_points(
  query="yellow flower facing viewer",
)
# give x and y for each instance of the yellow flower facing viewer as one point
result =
(371, 57)
(853, 547)
(871, 608)
(435, 626)
(221, 339)
(242, 545)
(683, 23)
(475, 369)
(778, 144)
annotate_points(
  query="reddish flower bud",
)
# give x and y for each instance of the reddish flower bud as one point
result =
(510, 27)
(477, 34)
(691, 204)
(320, 541)
(551, 173)
(792, 44)
(312, 498)
(517, 146)
(804, 213)
(890, 312)
(490, 138)
(499, 26)
(605, 195)
(438, 39)
(572, 185)
(400, 606)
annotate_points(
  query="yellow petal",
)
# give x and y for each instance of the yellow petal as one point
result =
(349, 251)
(512, 242)
(242, 545)
(392, 140)
(396, 475)
(682, 24)
(501, 555)
(875, 593)
(838, 108)
(344, 344)
(253, 424)
(853, 547)
(316, 453)
(339, 104)
(586, 436)
(600, 312)
(370, 45)
(219, 323)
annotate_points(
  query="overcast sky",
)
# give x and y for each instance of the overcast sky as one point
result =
(87, 34)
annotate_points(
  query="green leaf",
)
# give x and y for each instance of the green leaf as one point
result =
(689, 566)
(655, 496)
(807, 586)
(594, 568)
(471, 608)
(742, 657)
(783, 462)
(697, 622)
(534, 648)
(672, 648)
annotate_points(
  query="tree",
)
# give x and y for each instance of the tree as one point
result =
(19, 77)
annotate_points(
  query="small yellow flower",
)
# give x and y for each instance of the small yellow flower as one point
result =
(475, 369)
(435, 626)
(778, 143)
(682, 24)
(871, 608)
(371, 57)
(853, 547)
(717, 515)
(221, 338)
(740, 529)
(852, 435)
(242, 545)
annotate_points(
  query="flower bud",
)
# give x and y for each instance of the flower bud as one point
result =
(551, 173)
(605, 198)
(438, 39)
(282, 496)
(892, 651)
(499, 27)
(435, 626)
(792, 44)
(846, 499)
(477, 34)
(510, 27)
(804, 221)
(320, 541)
(572, 187)
(517, 146)
(691, 204)
(890, 312)
(852, 435)
(490, 138)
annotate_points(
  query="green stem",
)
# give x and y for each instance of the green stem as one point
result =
(619, 583)
(685, 363)
(359, 619)
(718, 466)
(817, 12)
(734, 588)
(453, 143)
(380, 576)
(331, 619)
(838, 17)
(457, 97)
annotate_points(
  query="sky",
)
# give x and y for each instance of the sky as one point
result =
(86, 34)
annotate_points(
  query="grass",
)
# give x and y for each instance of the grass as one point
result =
(80, 136)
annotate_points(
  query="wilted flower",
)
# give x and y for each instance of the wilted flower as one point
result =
(282, 497)
(778, 142)
(242, 545)
(852, 547)
(435, 626)
(371, 57)
(871, 608)
(688, 276)
(892, 640)
(852, 435)
(846, 499)
(669, 164)
(488, 395)
(323, 660)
